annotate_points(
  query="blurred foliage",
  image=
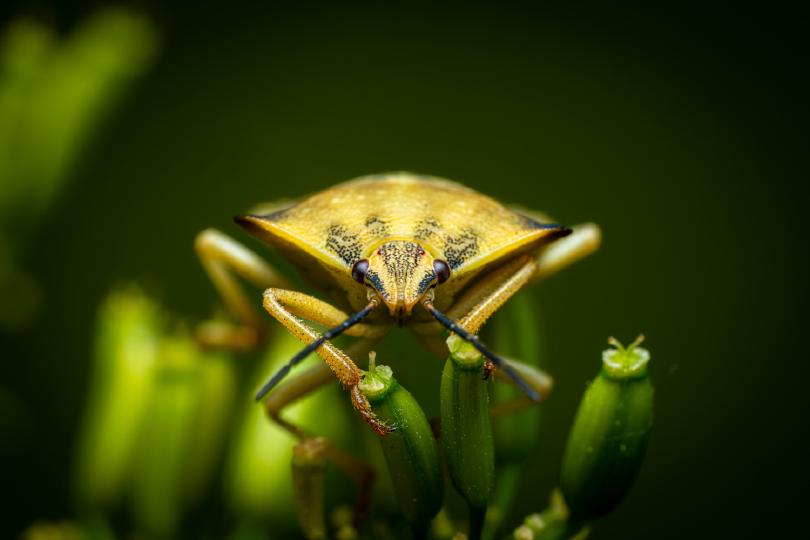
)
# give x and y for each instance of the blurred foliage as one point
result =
(161, 437)
(156, 420)
(258, 481)
(54, 94)
(161, 430)
(127, 348)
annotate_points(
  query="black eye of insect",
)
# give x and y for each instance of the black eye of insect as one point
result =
(359, 270)
(442, 270)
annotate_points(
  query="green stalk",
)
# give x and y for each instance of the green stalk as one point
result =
(309, 475)
(410, 450)
(551, 524)
(467, 429)
(514, 332)
(607, 441)
(515, 335)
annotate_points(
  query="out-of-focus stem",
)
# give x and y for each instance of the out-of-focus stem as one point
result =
(308, 473)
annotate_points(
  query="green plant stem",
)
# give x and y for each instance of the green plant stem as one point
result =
(508, 477)
(478, 515)
(308, 474)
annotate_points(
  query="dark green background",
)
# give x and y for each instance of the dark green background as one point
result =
(680, 131)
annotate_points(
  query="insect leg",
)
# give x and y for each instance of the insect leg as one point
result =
(285, 305)
(481, 300)
(491, 292)
(293, 389)
(485, 297)
(317, 311)
(304, 384)
(222, 258)
(494, 289)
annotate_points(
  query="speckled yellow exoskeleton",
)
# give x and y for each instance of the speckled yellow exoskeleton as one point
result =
(388, 249)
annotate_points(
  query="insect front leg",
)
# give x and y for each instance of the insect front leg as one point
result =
(485, 297)
(304, 384)
(491, 292)
(287, 306)
(223, 258)
(480, 301)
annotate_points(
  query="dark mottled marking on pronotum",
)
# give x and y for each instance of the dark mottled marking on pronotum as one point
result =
(377, 227)
(344, 244)
(460, 248)
(426, 229)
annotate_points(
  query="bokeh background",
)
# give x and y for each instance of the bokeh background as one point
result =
(680, 130)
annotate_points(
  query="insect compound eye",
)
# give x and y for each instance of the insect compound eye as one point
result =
(442, 270)
(359, 270)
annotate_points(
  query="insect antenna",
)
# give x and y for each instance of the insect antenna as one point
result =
(303, 353)
(454, 327)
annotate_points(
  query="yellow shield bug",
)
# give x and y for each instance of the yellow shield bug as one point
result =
(391, 249)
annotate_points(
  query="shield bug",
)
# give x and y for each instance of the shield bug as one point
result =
(390, 249)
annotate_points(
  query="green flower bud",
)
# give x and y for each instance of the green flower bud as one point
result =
(160, 470)
(128, 334)
(215, 404)
(467, 429)
(606, 444)
(410, 450)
